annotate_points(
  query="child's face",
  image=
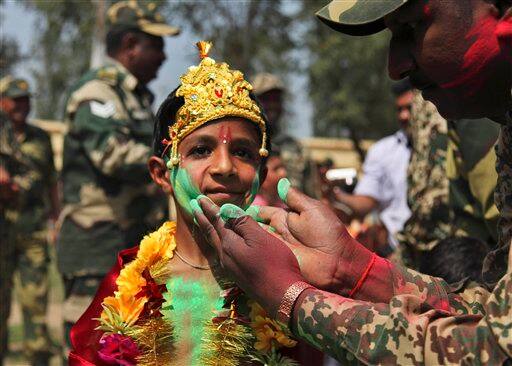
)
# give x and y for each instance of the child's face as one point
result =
(222, 160)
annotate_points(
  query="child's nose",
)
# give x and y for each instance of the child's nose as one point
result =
(222, 165)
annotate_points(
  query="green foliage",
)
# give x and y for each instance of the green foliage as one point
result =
(348, 81)
(254, 36)
(10, 53)
(62, 44)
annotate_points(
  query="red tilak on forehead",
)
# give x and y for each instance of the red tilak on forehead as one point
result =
(225, 134)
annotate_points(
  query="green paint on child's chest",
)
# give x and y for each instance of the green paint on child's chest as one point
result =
(189, 306)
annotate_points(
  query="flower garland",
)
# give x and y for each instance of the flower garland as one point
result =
(136, 334)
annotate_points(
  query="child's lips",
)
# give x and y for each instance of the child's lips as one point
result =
(221, 198)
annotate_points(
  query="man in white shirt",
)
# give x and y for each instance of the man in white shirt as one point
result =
(383, 185)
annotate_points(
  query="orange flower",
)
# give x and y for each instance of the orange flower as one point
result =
(127, 307)
(269, 333)
(158, 245)
(130, 280)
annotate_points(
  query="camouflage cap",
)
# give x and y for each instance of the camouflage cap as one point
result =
(14, 88)
(142, 16)
(358, 17)
(264, 82)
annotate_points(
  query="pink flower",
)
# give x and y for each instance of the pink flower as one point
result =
(117, 349)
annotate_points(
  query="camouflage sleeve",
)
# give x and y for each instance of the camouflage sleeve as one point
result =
(408, 330)
(387, 279)
(110, 146)
(50, 171)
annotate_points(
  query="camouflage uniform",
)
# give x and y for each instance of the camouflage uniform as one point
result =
(426, 321)
(451, 180)
(427, 192)
(471, 170)
(26, 250)
(7, 162)
(109, 199)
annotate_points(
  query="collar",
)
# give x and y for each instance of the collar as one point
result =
(401, 136)
(128, 81)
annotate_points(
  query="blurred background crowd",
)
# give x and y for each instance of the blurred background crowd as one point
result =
(404, 180)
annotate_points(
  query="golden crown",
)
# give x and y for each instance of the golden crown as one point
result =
(211, 91)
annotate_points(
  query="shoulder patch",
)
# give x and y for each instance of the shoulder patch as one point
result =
(108, 74)
(103, 110)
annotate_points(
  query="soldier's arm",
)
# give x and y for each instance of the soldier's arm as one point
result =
(51, 179)
(408, 330)
(110, 146)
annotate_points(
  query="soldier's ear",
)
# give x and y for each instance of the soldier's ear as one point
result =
(160, 174)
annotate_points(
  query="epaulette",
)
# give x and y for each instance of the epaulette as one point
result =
(109, 74)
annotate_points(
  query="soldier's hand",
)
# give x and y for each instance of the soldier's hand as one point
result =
(5, 177)
(327, 254)
(260, 263)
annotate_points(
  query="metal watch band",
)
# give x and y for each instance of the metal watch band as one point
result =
(289, 299)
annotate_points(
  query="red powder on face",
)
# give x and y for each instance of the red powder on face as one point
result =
(225, 134)
(484, 50)
(504, 32)
(427, 12)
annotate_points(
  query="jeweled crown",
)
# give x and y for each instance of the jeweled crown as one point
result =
(212, 90)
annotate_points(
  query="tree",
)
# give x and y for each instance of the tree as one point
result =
(63, 47)
(253, 35)
(10, 54)
(348, 81)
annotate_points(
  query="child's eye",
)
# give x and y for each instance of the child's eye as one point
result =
(200, 151)
(243, 153)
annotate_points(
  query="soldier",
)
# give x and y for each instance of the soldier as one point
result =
(451, 178)
(372, 311)
(427, 183)
(109, 201)
(28, 168)
(8, 195)
(269, 89)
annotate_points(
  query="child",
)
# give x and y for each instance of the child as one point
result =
(160, 304)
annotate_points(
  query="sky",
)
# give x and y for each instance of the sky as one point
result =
(181, 53)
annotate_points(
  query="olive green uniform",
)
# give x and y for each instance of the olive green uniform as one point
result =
(26, 247)
(471, 170)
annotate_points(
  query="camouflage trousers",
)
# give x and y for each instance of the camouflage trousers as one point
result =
(26, 255)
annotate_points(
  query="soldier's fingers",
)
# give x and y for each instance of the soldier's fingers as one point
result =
(295, 199)
(267, 213)
(206, 227)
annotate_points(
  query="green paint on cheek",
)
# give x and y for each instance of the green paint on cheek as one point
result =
(255, 187)
(189, 305)
(184, 189)
(283, 186)
(230, 211)
(194, 204)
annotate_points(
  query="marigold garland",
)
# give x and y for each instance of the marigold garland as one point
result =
(134, 312)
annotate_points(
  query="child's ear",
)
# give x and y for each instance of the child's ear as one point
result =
(160, 174)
